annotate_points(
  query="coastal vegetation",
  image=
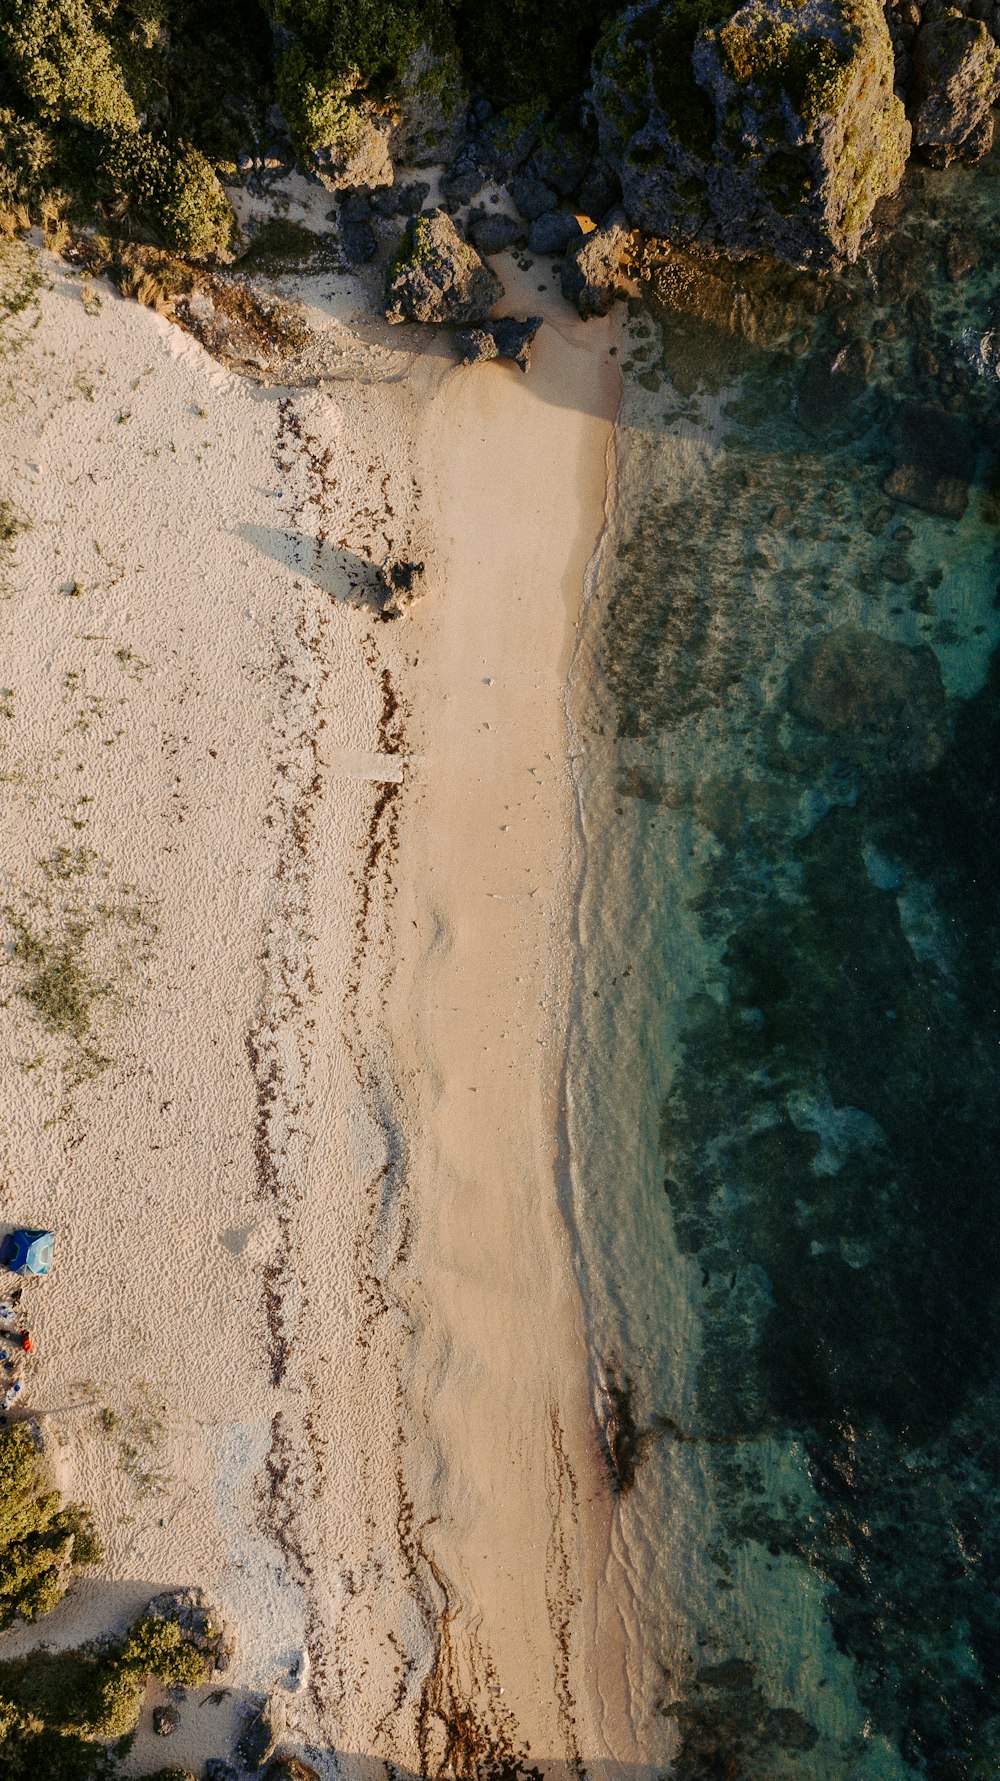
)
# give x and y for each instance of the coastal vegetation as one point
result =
(63, 1713)
(42, 1541)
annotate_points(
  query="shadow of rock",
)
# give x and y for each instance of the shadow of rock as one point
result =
(348, 578)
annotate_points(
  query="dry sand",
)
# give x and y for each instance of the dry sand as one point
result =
(313, 1340)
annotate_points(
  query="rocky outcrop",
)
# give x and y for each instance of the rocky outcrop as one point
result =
(431, 104)
(438, 276)
(553, 232)
(955, 82)
(883, 701)
(505, 339)
(771, 129)
(263, 1732)
(590, 275)
(291, 1768)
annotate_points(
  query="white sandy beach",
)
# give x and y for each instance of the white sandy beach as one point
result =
(312, 1341)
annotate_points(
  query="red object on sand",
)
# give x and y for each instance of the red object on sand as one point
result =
(27, 1344)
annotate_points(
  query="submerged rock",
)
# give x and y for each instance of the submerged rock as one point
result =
(438, 276)
(833, 382)
(590, 274)
(772, 129)
(884, 696)
(935, 461)
(956, 80)
(504, 339)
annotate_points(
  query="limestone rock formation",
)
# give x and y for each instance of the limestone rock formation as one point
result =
(772, 128)
(505, 339)
(431, 101)
(438, 276)
(291, 1768)
(399, 586)
(590, 275)
(955, 82)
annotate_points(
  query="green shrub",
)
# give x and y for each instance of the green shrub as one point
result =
(369, 41)
(64, 63)
(316, 105)
(172, 187)
(41, 1541)
(27, 155)
(158, 1648)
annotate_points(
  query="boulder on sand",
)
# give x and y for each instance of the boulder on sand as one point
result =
(590, 274)
(438, 276)
(291, 1768)
(263, 1732)
(504, 339)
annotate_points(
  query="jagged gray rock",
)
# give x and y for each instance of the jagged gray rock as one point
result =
(590, 274)
(561, 160)
(503, 339)
(773, 131)
(461, 183)
(554, 232)
(955, 82)
(600, 191)
(438, 276)
(532, 197)
(492, 232)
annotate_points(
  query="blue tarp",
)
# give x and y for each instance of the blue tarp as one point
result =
(29, 1252)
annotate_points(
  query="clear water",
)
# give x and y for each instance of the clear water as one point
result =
(784, 1110)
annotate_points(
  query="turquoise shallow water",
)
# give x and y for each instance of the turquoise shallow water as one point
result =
(783, 1076)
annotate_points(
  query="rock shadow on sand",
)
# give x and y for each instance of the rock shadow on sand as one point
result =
(347, 577)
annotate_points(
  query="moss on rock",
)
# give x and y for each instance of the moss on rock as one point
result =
(783, 113)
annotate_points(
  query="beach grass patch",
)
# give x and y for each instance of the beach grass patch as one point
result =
(72, 947)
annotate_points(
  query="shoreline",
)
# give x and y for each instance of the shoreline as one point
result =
(488, 841)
